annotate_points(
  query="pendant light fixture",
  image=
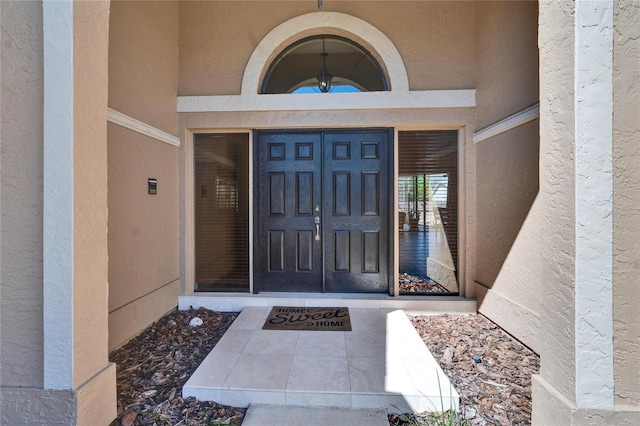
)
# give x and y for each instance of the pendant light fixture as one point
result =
(324, 77)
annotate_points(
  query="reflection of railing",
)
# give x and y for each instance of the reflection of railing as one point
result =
(440, 263)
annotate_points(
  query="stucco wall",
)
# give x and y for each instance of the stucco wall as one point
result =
(507, 237)
(94, 378)
(506, 59)
(626, 202)
(507, 186)
(562, 393)
(143, 229)
(435, 39)
(90, 291)
(21, 134)
(143, 67)
(143, 245)
(557, 195)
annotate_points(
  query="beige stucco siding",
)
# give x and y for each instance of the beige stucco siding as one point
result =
(507, 173)
(21, 134)
(507, 273)
(143, 250)
(143, 66)
(143, 228)
(435, 39)
(90, 291)
(626, 202)
(506, 59)
(557, 194)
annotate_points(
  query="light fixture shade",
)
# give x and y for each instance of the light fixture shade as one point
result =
(324, 80)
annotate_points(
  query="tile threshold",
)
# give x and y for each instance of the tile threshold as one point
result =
(413, 305)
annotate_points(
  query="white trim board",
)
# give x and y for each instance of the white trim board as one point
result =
(143, 128)
(593, 109)
(57, 238)
(329, 102)
(506, 124)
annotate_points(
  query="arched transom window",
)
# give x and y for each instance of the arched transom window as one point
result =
(324, 64)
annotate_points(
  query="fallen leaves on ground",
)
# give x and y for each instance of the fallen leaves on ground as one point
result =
(152, 368)
(490, 369)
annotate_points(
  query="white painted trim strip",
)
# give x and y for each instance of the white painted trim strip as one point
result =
(143, 128)
(593, 103)
(57, 238)
(329, 102)
(318, 23)
(506, 124)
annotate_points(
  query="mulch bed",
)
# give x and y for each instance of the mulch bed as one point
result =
(414, 285)
(153, 367)
(490, 370)
(495, 388)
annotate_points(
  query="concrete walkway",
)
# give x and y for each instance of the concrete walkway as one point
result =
(270, 415)
(381, 363)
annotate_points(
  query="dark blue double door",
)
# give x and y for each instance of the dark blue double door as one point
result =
(322, 203)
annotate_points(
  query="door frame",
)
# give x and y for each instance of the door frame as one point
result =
(391, 192)
(460, 118)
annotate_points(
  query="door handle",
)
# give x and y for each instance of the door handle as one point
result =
(317, 221)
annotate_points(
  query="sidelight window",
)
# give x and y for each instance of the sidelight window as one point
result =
(221, 167)
(428, 211)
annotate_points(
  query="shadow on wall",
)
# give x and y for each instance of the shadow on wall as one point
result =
(507, 185)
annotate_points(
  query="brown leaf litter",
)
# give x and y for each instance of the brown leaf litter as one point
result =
(415, 284)
(153, 367)
(490, 369)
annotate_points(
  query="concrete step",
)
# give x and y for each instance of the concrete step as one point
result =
(271, 415)
(381, 363)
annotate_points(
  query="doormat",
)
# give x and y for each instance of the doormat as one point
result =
(308, 319)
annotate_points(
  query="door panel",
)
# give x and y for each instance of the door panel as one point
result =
(356, 211)
(287, 256)
(338, 179)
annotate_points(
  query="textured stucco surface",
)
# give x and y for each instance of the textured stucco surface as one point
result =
(38, 407)
(435, 39)
(143, 228)
(626, 202)
(507, 173)
(23, 341)
(21, 134)
(506, 59)
(557, 195)
(507, 234)
(90, 291)
(129, 320)
(564, 393)
(143, 61)
(593, 205)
